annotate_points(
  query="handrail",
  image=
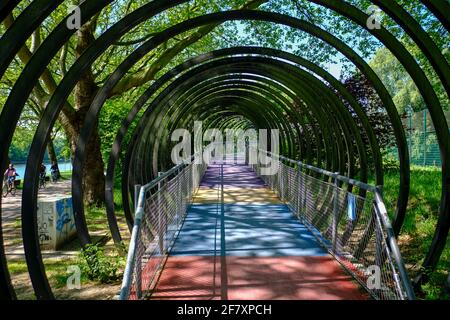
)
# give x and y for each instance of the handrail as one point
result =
(333, 175)
(140, 211)
(131, 258)
(379, 209)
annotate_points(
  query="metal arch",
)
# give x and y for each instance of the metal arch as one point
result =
(160, 124)
(189, 108)
(167, 90)
(209, 94)
(261, 87)
(349, 120)
(205, 90)
(217, 90)
(188, 86)
(7, 7)
(144, 161)
(22, 28)
(437, 115)
(420, 37)
(341, 89)
(44, 53)
(235, 122)
(126, 172)
(14, 105)
(252, 100)
(220, 17)
(125, 178)
(202, 89)
(440, 9)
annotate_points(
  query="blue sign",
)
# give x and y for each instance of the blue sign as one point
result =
(351, 207)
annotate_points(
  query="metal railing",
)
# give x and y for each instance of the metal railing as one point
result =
(160, 209)
(349, 219)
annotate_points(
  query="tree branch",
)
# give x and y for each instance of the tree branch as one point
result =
(149, 74)
(25, 55)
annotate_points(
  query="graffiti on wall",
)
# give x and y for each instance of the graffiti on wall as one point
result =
(56, 223)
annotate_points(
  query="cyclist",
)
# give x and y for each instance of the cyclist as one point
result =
(54, 170)
(10, 176)
(42, 174)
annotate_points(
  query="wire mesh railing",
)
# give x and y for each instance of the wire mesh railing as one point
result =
(349, 219)
(160, 210)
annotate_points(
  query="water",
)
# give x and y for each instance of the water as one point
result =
(63, 166)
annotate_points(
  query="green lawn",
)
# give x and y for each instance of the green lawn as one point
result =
(420, 223)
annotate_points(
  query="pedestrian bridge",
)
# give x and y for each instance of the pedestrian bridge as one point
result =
(224, 231)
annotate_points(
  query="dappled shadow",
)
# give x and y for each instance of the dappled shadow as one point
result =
(243, 243)
(268, 278)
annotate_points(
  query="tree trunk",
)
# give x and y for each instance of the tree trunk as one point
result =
(51, 152)
(85, 90)
(93, 172)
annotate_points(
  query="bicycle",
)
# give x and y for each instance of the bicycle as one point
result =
(8, 187)
(54, 175)
(42, 181)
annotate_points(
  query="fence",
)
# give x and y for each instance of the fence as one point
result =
(161, 207)
(421, 138)
(349, 219)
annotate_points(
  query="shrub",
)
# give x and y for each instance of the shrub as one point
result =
(98, 266)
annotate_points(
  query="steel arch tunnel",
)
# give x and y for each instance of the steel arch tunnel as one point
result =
(240, 87)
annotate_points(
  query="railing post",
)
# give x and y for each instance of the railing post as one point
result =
(137, 189)
(160, 216)
(180, 197)
(280, 181)
(299, 181)
(138, 257)
(335, 211)
(304, 205)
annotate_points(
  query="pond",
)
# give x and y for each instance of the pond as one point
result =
(63, 166)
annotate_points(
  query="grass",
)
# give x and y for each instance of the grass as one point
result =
(57, 268)
(420, 223)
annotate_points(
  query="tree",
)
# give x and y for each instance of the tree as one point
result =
(75, 109)
(361, 88)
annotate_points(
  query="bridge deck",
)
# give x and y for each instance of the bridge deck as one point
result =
(239, 241)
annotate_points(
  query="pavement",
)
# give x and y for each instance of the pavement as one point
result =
(240, 242)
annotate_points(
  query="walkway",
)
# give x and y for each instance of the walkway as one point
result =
(240, 242)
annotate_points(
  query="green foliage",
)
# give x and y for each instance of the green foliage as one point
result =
(98, 266)
(390, 162)
(420, 223)
(435, 288)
